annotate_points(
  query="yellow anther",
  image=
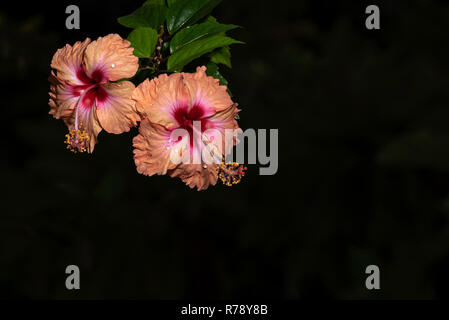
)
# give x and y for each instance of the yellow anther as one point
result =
(230, 173)
(77, 140)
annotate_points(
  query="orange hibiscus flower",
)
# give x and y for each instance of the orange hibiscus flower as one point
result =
(195, 105)
(83, 94)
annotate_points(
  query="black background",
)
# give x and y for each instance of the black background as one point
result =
(363, 164)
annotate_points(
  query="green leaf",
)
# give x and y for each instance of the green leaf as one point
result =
(183, 13)
(211, 19)
(152, 14)
(196, 32)
(221, 56)
(213, 71)
(196, 49)
(143, 40)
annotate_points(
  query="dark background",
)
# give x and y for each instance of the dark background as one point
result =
(363, 119)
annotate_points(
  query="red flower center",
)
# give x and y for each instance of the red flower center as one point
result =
(94, 82)
(186, 118)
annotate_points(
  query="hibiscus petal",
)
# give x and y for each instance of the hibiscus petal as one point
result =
(112, 56)
(117, 113)
(226, 117)
(206, 91)
(152, 149)
(68, 62)
(159, 98)
(62, 101)
(200, 176)
(222, 121)
(88, 121)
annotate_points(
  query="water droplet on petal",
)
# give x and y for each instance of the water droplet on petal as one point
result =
(113, 65)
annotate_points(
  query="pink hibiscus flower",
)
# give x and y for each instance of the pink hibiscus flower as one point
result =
(82, 92)
(195, 105)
